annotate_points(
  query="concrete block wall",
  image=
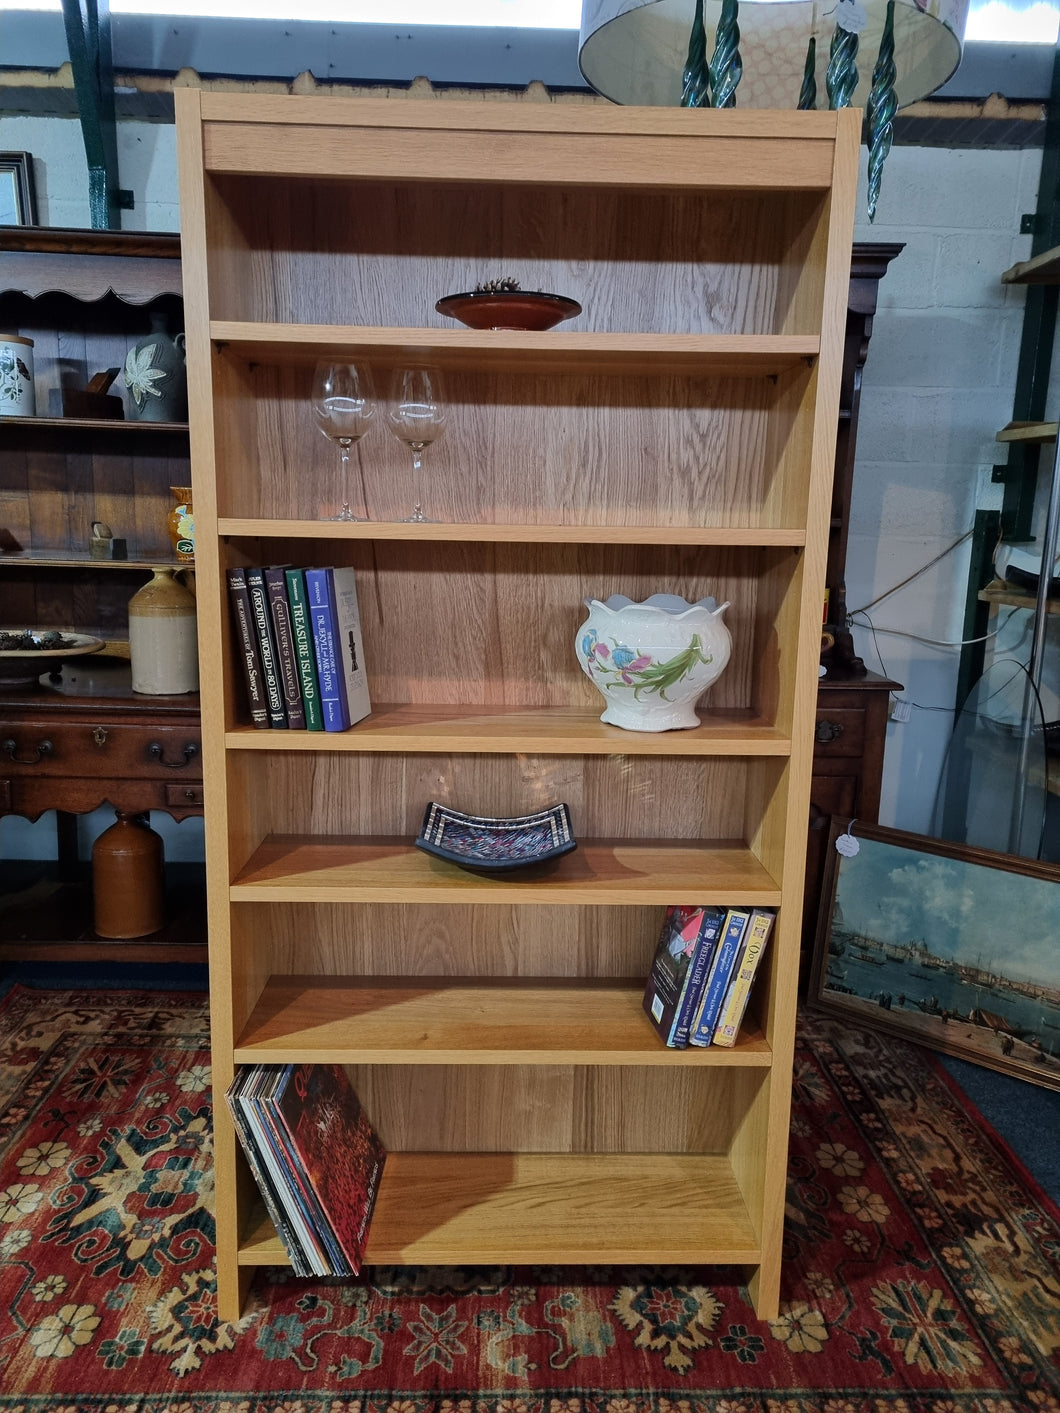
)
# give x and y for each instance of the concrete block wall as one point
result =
(938, 384)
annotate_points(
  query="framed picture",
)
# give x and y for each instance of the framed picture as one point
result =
(947, 945)
(18, 201)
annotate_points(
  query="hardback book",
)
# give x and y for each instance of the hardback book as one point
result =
(725, 957)
(305, 657)
(276, 587)
(734, 1005)
(332, 1143)
(349, 643)
(319, 591)
(262, 619)
(245, 639)
(336, 630)
(682, 956)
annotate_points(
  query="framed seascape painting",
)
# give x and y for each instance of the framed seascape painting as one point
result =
(18, 205)
(947, 945)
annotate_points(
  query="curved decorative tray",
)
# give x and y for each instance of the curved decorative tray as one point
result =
(21, 667)
(480, 842)
(509, 309)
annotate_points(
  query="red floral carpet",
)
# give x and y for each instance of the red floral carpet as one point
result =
(922, 1268)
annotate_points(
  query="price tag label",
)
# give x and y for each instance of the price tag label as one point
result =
(851, 16)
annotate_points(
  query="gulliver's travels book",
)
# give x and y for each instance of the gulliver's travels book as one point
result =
(682, 956)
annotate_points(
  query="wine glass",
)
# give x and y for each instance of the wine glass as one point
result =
(416, 416)
(343, 407)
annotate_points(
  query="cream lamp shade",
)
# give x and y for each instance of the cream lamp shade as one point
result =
(634, 51)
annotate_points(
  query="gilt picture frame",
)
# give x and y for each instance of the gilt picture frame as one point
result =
(949, 946)
(18, 198)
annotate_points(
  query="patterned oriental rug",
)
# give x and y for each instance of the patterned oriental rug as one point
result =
(923, 1268)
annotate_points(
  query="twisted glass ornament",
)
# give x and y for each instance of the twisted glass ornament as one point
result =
(841, 77)
(695, 81)
(726, 65)
(808, 91)
(880, 110)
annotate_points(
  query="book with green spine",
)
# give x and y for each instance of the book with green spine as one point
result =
(305, 657)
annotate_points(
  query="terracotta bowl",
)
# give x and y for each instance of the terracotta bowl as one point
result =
(515, 309)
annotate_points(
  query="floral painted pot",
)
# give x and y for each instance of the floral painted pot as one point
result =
(652, 661)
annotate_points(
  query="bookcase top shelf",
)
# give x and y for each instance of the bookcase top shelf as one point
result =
(499, 350)
(489, 533)
(389, 869)
(550, 731)
(473, 1020)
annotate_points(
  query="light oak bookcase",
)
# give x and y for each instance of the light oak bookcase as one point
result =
(678, 436)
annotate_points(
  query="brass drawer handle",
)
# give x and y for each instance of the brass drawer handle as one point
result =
(10, 746)
(156, 750)
(828, 731)
(99, 735)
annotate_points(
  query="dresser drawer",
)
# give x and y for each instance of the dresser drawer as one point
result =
(839, 731)
(97, 749)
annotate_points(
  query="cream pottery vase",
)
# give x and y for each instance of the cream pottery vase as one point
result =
(652, 661)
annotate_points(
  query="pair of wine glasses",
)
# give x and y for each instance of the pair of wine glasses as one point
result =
(344, 405)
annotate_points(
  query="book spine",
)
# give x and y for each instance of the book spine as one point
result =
(739, 990)
(276, 587)
(305, 658)
(712, 922)
(329, 671)
(259, 609)
(702, 1029)
(349, 644)
(246, 642)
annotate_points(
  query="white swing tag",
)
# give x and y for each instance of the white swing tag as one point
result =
(851, 16)
(847, 845)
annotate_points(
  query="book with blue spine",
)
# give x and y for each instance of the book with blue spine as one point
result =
(721, 968)
(682, 955)
(332, 683)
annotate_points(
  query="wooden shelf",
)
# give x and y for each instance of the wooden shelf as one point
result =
(512, 534)
(311, 869)
(1030, 433)
(550, 730)
(75, 559)
(661, 355)
(96, 424)
(473, 1020)
(1043, 269)
(1015, 598)
(531, 1208)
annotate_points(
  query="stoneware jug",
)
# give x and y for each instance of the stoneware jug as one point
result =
(128, 878)
(163, 652)
(156, 376)
(17, 395)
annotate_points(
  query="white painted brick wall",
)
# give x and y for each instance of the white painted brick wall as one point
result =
(938, 384)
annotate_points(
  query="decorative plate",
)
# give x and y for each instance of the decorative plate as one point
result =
(479, 842)
(38, 650)
(509, 309)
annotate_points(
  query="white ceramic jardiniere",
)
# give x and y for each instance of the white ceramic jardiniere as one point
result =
(652, 661)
